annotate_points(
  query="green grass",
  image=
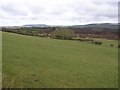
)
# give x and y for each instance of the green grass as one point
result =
(42, 62)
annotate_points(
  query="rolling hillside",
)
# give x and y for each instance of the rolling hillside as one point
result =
(43, 62)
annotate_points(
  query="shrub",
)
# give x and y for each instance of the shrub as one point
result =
(62, 34)
(111, 45)
(87, 39)
(97, 42)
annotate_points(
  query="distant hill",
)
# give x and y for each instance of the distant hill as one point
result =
(35, 25)
(94, 25)
(98, 25)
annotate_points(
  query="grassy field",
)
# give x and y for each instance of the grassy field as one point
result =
(43, 62)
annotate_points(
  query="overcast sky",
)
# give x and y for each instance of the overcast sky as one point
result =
(58, 12)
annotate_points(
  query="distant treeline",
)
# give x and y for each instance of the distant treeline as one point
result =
(96, 32)
(78, 32)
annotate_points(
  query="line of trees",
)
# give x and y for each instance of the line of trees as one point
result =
(61, 33)
(64, 33)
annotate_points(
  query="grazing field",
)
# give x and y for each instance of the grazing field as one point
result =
(43, 62)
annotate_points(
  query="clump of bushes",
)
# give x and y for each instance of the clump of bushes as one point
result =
(111, 45)
(89, 40)
(65, 34)
(84, 39)
(97, 42)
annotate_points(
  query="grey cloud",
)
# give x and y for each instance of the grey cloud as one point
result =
(72, 12)
(13, 9)
(97, 9)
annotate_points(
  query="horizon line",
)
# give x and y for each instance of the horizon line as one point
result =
(59, 24)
